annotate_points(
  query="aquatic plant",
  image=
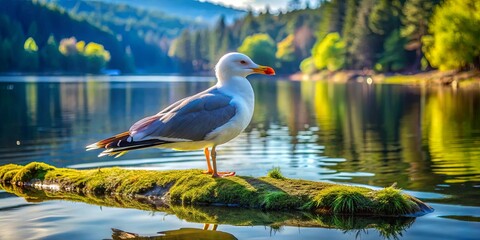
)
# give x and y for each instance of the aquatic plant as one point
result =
(275, 173)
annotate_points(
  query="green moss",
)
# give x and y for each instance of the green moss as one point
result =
(8, 171)
(275, 173)
(191, 187)
(391, 201)
(281, 200)
(34, 170)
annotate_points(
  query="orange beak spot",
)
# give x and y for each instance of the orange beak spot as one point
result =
(264, 70)
(269, 71)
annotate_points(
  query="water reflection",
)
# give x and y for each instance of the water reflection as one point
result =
(425, 139)
(204, 233)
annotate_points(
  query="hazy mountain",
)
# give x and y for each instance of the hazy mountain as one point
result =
(190, 9)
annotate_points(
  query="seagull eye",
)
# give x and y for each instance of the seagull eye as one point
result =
(243, 62)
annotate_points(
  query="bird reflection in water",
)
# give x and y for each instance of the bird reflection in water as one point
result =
(204, 233)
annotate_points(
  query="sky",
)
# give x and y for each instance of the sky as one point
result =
(256, 4)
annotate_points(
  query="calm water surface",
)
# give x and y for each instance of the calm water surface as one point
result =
(426, 140)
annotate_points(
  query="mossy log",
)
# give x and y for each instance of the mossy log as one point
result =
(192, 188)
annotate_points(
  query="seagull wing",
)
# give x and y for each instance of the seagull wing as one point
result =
(189, 119)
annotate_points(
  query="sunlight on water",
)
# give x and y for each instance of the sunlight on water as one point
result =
(366, 134)
(427, 141)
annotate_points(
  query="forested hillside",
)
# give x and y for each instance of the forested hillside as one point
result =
(293, 32)
(31, 33)
(122, 37)
(78, 36)
(145, 33)
(383, 35)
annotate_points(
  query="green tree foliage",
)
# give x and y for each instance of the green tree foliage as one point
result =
(416, 14)
(42, 20)
(337, 15)
(219, 40)
(393, 58)
(455, 41)
(347, 29)
(223, 38)
(6, 56)
(307, 66)
(182, 51)
(324, 23)
(286, 53)
(249, 26)
(50, 56)
(385, 16)
(96, 57)
(329, 53)
(286, 49)
(260, 47)
(29, 57)
(12, 40)
(91, 57)
(30, 45)
(365, 45)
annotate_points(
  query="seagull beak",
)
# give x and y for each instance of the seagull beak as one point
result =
(264, 70)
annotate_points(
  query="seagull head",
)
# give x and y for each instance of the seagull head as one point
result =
(239, 65)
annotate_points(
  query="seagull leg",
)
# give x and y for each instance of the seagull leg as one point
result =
(214, 161)
(207, 156)
(206, 226)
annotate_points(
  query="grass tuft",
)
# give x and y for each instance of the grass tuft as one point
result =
(391, 201)
(343, 199)
(275, 173)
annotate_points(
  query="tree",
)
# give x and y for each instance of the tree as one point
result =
(260, 47)
(7, 56)
(286, 52)
(50, 56)
(307, 66)
(182, 50)
(365, 45)
(69, 49)
(385, 17)
(337, 15)
(393, 58)
(96, 57)
(347, 29)
(249, 26)
(416, 14)
(455, 42)
(29, 57)
(218, 45)
(286, 49)
(30, 45)
(329, 53)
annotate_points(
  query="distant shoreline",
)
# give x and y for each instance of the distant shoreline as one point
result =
(434, 77)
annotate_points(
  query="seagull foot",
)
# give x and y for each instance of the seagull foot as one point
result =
(223, 174)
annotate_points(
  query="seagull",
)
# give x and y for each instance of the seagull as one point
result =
(202, 121)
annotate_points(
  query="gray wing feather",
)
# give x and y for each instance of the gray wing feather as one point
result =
(191, 118)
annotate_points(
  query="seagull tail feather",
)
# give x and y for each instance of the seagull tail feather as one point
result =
(121, 143)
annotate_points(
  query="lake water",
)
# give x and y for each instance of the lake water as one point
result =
(424, 139)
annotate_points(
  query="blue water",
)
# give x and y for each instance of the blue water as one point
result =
(426, 140)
